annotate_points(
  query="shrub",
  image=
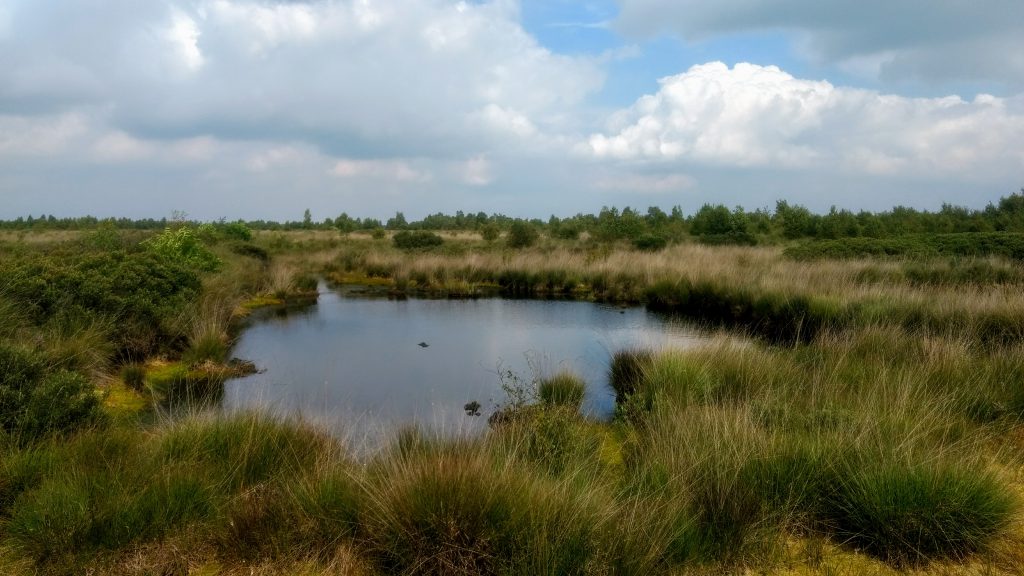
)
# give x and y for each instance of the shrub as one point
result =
(378, 233)
(140, 291)
(236, 231)
(567, 232)
(183, 245)
(62, 402)
(490, 232)
(416, 239)
(35, 403)
(650, 242)
(521, 235)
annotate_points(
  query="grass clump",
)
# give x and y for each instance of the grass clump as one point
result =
(627, 371)
(562, 389)
(915, 513)
(134, 376)
(452, 509)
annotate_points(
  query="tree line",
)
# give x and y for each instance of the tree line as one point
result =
(711, 223)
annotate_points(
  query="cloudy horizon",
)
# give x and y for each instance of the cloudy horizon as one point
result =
(264, 108)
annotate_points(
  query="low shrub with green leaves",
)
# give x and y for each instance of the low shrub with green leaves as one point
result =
(416, 239)
(141, 292)
(36, 401)
(183, 245)
(521, 235)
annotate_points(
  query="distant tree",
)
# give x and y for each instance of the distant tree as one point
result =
(490, 232)
(795, 221)
(397, 222)
(521, 235)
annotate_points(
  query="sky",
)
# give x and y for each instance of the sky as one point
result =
(260, 109)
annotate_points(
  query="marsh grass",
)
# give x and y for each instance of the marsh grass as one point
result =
(752, 288)
(878, 422)
(562, 389)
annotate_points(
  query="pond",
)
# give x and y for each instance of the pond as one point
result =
(373, 363)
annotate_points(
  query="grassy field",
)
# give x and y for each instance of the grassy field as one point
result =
(852, 416)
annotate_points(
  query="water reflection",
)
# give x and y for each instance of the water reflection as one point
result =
(380, 363)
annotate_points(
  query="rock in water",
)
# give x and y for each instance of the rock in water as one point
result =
(423, 344)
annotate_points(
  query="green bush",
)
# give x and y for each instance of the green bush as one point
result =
(35, 403)
(490, 232)
(142, 292)
(416, 239)
(521, 235)
(236, 231)
(650, 242)
(183, 245)
(61, 402)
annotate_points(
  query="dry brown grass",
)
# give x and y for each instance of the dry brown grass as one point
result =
(752, 268)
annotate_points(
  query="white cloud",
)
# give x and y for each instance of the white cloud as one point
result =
(24, 136)
(184, 36)
(645, 183)
(477, 171)
(390, 77)
(754, 116)
(892, 40)
(394, 170)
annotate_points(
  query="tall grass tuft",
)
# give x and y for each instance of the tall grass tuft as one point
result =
(627, 371)
(562, 389)
(919, 512)
(452, 509)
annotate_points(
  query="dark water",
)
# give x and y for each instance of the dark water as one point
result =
(357, 361)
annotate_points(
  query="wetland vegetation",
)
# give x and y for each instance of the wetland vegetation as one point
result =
(856, 409)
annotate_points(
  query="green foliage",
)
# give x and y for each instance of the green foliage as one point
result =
(521, 235)
(183, 245)
(139, 291)
(378, 233)
(490, 232)
(650, 242)
(236, 231)
(416, 240)
(35, 402)
(717, 225)
(1005, 244)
